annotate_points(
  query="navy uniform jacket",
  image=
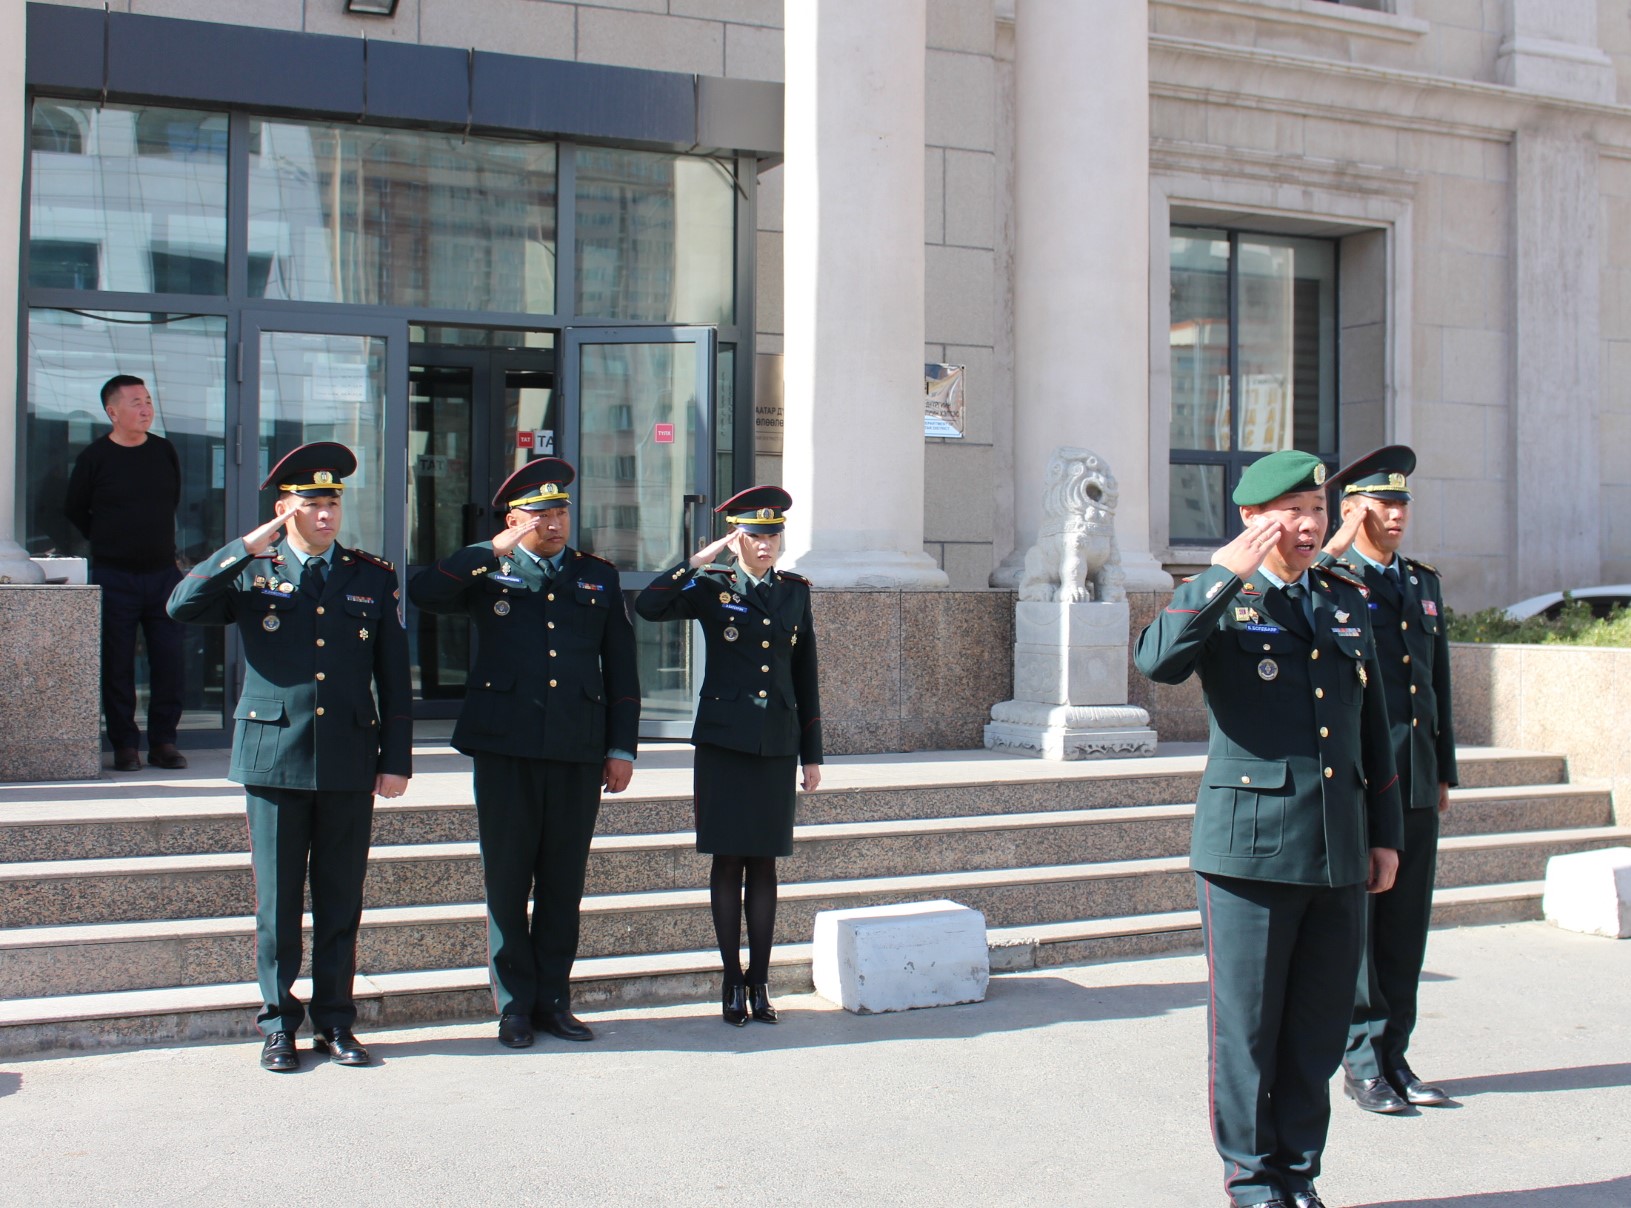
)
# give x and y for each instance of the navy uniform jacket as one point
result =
(1413, 646)
(556, 674)
(760, 694)
(326, 698)
(1299, 782)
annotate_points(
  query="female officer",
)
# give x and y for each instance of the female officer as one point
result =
(759, 718)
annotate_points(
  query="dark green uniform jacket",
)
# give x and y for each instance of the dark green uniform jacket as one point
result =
(760, 693)
(326, 698)
(1299, 782)
(555, 674)
(1413, 646)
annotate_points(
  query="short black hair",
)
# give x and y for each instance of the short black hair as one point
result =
(117, 383)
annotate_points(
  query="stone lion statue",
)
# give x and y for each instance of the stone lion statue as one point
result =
(1075, 558)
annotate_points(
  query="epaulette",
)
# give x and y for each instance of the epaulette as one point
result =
(787, 574)
(717, 568)
(1343, 576)
(597, 558)
(374, 558)
(1426, 566)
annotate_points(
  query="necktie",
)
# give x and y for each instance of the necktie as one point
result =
(313, 577)
(763, 592)
(1297, 596)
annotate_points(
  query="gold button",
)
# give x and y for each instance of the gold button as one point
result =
(1407, 658)
(1266, 646)
(1314, 654)
(762, 692)
(504, 591)
(321, 676)
(1319, 693)
(319, 710)
(1329, 773)
(251, 714)
(550, 597)
(1245, 780)
(551, 654)
(1324, 733)
(550, 624)
(1412, 689)
(486, 683)
(1415, 721)
(767, 620)
(1404, 624)
(320, 642)
(766, 645)
(764, 668)
(551, 683)
(319, 610)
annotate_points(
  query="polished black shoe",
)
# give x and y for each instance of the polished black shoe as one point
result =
(278, 1053)
(165, 755)
(759, 999)
(1307, 1199)
(563, 1024)
(1416, 1092)
(342, 1047)
(1373, 1094)
(515, 1032)
(127, 759)
(736, 1005)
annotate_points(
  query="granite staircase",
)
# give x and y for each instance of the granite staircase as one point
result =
(125, 905)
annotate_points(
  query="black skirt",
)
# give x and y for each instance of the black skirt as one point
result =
(744, 802)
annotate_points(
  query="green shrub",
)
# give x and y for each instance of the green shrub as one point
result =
(1573, 626)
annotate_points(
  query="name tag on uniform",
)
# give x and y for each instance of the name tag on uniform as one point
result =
(505, 578)
(735, 607)
(1264, 628)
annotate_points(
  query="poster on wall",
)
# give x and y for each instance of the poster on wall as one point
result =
(943, 413)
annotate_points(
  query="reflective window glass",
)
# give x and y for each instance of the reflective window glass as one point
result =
(402, 217)
(1198, 339)
(118, 195)
(656, 237)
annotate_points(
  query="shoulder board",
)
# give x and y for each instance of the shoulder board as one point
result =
(714, 568)
(1342, 575)
(374, 558)
(787, 574)
(1420, 565)
(597, 558)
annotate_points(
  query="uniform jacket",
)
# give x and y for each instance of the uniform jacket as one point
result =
(1299, 781)
(326, 697)
(760, 692)
(555, 675)
(1413, 646)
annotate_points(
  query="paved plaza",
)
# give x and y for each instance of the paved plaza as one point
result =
(1081, 1085)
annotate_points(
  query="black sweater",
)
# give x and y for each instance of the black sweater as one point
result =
(124, 501)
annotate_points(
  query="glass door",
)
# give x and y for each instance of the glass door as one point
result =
(642, 398)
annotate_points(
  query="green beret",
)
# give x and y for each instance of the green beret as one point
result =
(1280, 473)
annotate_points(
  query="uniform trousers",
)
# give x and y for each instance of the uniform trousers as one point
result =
(535, 819)
(289, 830)
(134, 601)
(1281, 962)
(1395, 948)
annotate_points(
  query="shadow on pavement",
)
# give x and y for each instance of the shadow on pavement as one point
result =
(1570, 1078)
(1012, 1005)
(1615, 1193)
(9, 1083)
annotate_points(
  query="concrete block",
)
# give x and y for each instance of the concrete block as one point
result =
(51, 659)
(754, 53)
(970, 198)
(1590, 892)
(962, 95)
(961, 295)
(896, 958)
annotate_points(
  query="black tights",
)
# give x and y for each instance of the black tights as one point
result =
(725, 894)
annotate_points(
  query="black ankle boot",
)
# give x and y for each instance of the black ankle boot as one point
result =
(759, 996)
(736, 1006)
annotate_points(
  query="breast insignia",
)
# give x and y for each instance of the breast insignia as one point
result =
(1268, 670)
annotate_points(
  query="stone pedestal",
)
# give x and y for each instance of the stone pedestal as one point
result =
(1070, 686)
(896, 958)
(1590, 891)
(51, 666)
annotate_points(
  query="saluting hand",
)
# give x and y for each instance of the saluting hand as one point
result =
(1342, 540)
(258, 541)
(507, 540)
(1242, 556)
(713, 549)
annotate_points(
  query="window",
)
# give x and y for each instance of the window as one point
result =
(1253, 351)
(63, 263)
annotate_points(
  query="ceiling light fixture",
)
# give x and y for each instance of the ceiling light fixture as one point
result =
(371, 8)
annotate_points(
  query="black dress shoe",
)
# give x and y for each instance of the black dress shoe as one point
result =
(278, 1053)
(342, 1047)
(165, 755)
(1373, 1094)
(1307, 1199)
(759, 997)
(127, 759)
(515, 1032)
(736, 1005)
(563, 1024)
(1415, 1091)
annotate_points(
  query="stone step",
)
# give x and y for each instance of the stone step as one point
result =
(388, 1000)
(92, 821)
(1506, 809)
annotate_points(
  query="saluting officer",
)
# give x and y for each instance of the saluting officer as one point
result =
(1297, 815)
(759, 719)
(551, 713)
(1407, 617)
(322, 637)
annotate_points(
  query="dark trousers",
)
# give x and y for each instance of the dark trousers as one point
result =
(132, 601)
(1281, 961)
(289, 830)
(535, 818)
(1395, 946)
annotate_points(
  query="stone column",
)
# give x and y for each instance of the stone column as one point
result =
(1081, 260)
(853, 261)
(14, 564)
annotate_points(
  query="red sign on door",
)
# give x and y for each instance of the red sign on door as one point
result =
(523, 439)
(664, 434)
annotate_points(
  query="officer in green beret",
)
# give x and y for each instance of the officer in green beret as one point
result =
(322, 639)
(551, 715)
(1413, 646)
(1297, 816)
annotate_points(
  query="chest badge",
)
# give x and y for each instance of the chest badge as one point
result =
(504, 566)
(1430, 607)
(1364, 680)
(1268, 670)
(794, 640)
(501, 608)
(363, 634)
(724, 597)
(731, 633)
(286, 587)
(1342, 617)
(271, 622)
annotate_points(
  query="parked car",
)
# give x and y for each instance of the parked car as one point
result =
(1602, 601)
